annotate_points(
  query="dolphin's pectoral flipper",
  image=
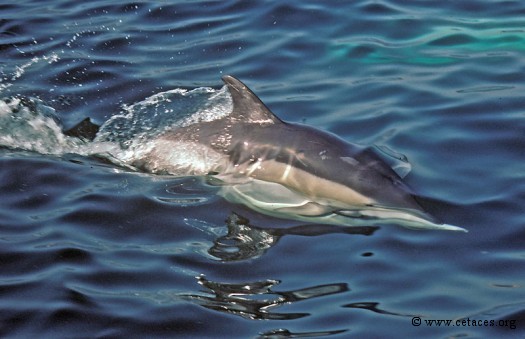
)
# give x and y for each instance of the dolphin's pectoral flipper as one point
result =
(85, 130)
(247, 107)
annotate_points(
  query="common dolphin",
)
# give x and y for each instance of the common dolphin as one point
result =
(292, 170)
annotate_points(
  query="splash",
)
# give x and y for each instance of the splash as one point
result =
(150, 117)
(29, 124)
(8, 80)
(135, 134)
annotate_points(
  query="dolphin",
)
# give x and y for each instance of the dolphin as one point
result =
(279, 168)
(290, 170)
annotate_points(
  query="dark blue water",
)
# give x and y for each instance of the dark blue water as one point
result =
(88, 249)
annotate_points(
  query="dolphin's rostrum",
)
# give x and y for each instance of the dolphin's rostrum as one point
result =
(292, 170)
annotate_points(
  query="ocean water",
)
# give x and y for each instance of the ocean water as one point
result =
(92, 249)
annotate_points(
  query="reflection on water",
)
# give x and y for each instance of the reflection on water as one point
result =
(255, 300)
(243, 240)
(246, 241)
(283, 333)
(373, 306)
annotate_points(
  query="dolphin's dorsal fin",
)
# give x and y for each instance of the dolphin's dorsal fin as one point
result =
(247, 107)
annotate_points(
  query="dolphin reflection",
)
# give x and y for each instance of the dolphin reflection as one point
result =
(256, 300)
(246, 241)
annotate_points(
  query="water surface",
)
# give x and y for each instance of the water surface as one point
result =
(89, 249)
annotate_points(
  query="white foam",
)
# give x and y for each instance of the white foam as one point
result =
(33, 128)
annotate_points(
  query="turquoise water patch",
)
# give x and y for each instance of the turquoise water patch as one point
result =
(443, 45)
